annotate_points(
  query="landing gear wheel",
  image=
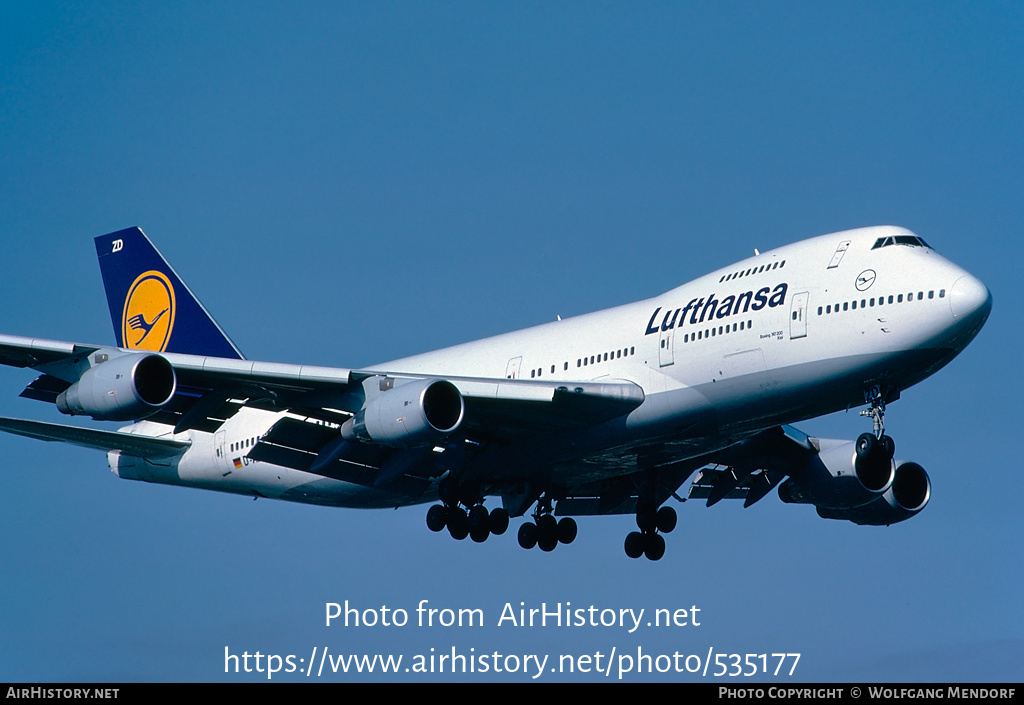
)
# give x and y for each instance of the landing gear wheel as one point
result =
(547, 532)
(634, 544)
(435, 518)
(478, 519)
(566, 530)
(655, 547)
(866, 444)
(479, 534)
(498, 521)
(646, 517)
(889, 446)
(528, 535)
(666, 520)
(458, 523)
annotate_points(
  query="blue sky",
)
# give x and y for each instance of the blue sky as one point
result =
(348, 183)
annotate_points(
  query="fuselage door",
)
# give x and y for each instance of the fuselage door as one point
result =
(666, 354)
(512, 370)
(798, 316)
(838, 256)
(218, 444)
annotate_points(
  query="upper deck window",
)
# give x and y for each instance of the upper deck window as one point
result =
(912, 240)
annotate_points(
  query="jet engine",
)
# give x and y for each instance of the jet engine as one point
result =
(908, 495)
(842, 475)
(408, 415)
(120, 388)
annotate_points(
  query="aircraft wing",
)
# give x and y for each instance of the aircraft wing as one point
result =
(750, 469)
(209, 390)
(141, 446)
(31, 352)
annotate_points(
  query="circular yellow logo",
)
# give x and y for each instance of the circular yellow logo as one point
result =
(148, 317)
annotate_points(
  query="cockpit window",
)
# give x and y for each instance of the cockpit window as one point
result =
(912, 240)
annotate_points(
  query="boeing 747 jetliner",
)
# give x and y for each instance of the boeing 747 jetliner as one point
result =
(606, 413)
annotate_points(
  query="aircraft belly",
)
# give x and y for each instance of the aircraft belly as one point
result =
(680, 420)
(706, 417)
(259, 480)
(797, 392)
(333, 493)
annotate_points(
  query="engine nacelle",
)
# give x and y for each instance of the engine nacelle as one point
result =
(409, 415)
(842, 475)
(908, 495)
(121, 388)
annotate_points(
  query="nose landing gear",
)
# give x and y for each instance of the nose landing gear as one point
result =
(878, 448)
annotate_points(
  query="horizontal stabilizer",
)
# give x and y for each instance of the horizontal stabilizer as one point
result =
(140, 446)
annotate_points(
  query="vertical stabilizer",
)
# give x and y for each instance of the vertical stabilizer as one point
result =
(150, 306)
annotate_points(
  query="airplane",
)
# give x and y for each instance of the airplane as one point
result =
(601, 414)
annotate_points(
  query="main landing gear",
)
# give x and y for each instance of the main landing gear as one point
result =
(650, 520)
(546, 533)
(477, 522)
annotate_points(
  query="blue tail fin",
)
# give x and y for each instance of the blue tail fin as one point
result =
(150, 306)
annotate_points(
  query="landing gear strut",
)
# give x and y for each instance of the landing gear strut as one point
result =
(477, 522)
(875, 410)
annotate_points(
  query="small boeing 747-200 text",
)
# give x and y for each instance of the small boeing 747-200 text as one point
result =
(605, 413)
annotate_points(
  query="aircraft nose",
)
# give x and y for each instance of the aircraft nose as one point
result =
(968, 296)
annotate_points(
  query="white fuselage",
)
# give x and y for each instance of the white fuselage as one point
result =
(786, 335)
